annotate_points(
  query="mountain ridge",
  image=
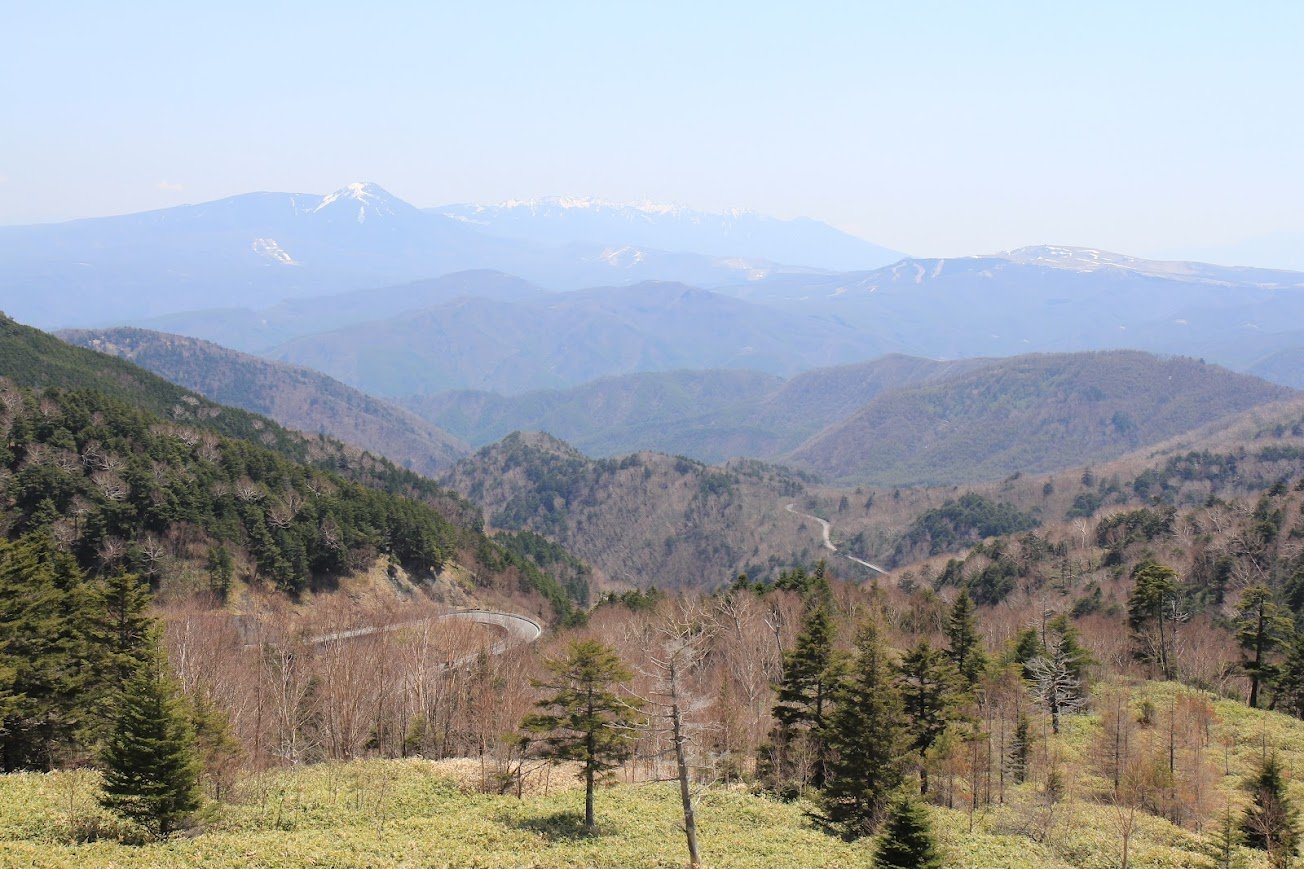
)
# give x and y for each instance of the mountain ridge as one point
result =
(252, 247)
(1028, 414)
(732, 233)
(296, 397)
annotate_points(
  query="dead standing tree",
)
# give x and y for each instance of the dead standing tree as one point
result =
(677, 641)
(1055, 685)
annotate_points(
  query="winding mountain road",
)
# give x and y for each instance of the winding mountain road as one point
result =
(827, 527)
(519, 629)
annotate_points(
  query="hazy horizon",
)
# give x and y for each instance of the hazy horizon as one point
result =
(1161, 131)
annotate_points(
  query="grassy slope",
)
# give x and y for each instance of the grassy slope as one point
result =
(411, 813)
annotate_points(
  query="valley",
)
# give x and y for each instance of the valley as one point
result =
(393, 535)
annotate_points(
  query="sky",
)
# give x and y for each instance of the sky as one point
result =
(1153, 128)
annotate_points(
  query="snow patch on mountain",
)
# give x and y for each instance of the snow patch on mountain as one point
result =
(269, 248)
(371, 200)
(545, 204)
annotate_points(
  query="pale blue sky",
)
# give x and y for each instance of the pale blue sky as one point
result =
(936, 128)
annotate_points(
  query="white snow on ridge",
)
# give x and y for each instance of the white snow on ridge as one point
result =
(622, 257)
(371, 198)
(1085, 259)
(269, 248)
(632, 210)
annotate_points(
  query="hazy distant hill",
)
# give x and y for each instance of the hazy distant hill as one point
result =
(599, 416)
(1028, 414)
(1283, 366)
(255, 330)
(295, 397)
(706, 415)
(566, 339)
(563, 220)
(1051, 299)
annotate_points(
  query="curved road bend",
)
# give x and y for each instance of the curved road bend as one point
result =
(519, 629)
(826, 527)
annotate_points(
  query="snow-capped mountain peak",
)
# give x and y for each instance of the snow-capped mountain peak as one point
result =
(363, 200)
(1079, 258)
(1086, 259)
(563, 220)
(545, 204)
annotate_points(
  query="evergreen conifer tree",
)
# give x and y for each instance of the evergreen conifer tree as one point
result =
(907, 841)
(1290, 680)
(1152, 614)
(1224, 843)
(585, 718)
(1020, 750)
(1271, 822)
(805, 695)
(151, 770)
(1025, 647)
(963, 645)
(927, 683)
(867, 740)
(46, 620)
(1262, 625)
(125, 623)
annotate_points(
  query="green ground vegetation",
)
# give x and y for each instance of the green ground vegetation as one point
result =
(415, 813)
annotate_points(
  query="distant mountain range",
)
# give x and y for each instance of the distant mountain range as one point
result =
(262, 329)
(508, 335)
(1053, 299)
(898, 420)
(564, 220)
(655, 519)
(260, 248)
(565, 339)
(297, 398)
(708, 415)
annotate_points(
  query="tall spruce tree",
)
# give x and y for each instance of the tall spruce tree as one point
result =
(928, 683)
(1153, 612)
(125, 623)
(907, 841)
(1290, 679)
(47, 613)
(805, 695)
(867, 742)
(1271, 821)
(1020, 750)
(1262, 625)
(151, 768)
(1224, 843)
(585, 718)
(963, 644)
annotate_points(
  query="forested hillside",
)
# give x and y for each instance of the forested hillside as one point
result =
(566, 339)
(710, 416)
(1028, 414)
(131, 472)
(645, 519)
(295, 397)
